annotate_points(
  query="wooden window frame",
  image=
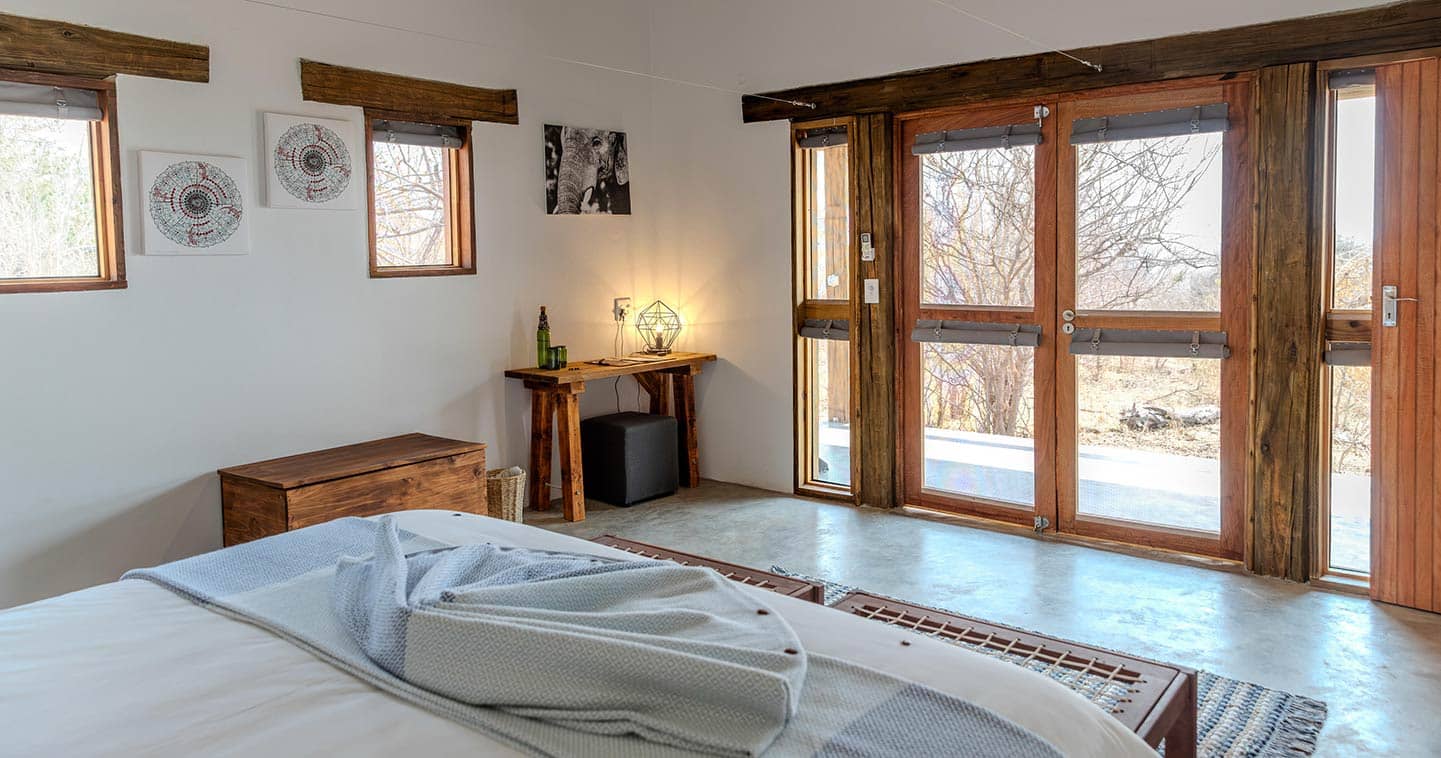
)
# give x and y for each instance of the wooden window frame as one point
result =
(806, 307)
(105, 191)
(459, 200)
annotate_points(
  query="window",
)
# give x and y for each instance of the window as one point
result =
(59, 201)
(1346, 416)
(978, 220)
(822, 298)
(421, 207)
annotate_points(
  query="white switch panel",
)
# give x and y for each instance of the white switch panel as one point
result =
(868, 250)
(873, 291)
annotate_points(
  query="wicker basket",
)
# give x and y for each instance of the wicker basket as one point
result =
(504, 494)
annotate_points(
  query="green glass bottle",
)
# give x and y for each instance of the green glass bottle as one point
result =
(542, 341)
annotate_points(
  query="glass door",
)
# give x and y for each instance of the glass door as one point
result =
(1153, 275)
(977, 288)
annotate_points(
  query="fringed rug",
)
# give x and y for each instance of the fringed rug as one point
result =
(1235, 719)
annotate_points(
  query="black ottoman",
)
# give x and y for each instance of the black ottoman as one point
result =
(629, 457)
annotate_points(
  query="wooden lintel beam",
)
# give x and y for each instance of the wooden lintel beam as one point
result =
(422, 99)
(59, 47)
(1409, 25)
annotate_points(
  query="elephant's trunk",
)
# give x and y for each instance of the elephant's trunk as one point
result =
(570, 184)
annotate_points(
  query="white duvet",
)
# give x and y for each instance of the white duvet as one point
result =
(130, 669)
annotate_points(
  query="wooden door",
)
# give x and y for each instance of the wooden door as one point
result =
(1154, 250)
(978, 253)
(1406, 530)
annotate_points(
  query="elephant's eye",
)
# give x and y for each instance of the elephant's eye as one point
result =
(595, 141)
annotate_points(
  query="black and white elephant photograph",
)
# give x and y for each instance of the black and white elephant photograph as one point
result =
(586, 171)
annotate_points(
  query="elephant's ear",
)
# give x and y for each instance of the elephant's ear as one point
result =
(621, 159)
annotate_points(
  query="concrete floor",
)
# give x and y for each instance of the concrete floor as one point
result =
(1378, 667)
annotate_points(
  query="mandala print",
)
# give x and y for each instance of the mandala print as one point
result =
(312, 163)
(195, 204)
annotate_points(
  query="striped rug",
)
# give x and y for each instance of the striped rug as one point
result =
(1236, 719)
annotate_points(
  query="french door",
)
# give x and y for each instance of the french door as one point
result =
(1075, 282)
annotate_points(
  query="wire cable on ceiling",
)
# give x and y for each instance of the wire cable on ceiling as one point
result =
(518, 51)
(1015, 33)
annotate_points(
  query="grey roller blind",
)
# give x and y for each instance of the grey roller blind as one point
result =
(826, 329)
(1355, 77)
(1176, 122)
(17, 99)
(1150, 343)
(982, 138)
(826, 136)
(411, 133)
(976, 333)
(1348, 354)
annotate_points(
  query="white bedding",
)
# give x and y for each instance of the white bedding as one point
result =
(89, 673)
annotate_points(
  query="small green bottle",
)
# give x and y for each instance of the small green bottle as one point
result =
(542, 341)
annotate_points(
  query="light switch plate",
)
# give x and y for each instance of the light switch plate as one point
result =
(872, 291)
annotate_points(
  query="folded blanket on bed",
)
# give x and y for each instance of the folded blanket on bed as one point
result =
(561, 654)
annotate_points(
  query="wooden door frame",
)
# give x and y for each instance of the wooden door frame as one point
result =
(1055, 369)
(1235, 318)
(909, 308)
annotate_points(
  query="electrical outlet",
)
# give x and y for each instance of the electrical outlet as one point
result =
(620, 309)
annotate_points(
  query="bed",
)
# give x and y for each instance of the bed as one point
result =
(130, 668)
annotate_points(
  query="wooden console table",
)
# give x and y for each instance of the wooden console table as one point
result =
(555, 415)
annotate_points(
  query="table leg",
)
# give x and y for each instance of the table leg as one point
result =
(655, 386)
(572, 473)
(687, 444)
(542, 429)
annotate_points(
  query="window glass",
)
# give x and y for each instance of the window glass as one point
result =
(1354, 204)
(47, 199)
(828, 267)
(1148, 224)
(412, 205)
(978, 212)
(978, 408)
(1150, 440)
(1350, 451)
(830, 403)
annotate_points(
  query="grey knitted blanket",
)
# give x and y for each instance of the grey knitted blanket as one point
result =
(567, 654)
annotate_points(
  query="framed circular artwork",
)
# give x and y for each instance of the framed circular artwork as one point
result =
(194, 204)
(310, 162)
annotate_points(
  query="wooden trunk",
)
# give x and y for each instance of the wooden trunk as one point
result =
(409, 472)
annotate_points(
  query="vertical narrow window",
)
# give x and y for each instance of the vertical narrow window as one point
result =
(822, 302)
(421, 208)
(1350, 214)
(59, 203)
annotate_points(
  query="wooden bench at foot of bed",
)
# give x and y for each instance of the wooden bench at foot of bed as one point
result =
(1155, 700)
(784, 585)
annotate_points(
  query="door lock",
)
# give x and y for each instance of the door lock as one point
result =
(1068, 315)
(1388, 304)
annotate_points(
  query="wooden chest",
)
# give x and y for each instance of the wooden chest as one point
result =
(408, 472)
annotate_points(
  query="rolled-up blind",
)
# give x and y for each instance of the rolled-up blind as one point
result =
(1348, 354)
(19, 99)
(825, 136)
(412, 133)
(1159, 343)
(981, 138)
(826, 329)
(1174, 122)
(1354, 77)
(976, 333)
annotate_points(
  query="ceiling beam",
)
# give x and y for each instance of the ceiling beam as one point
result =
(1409, 25)
(57, 47)
(421, 99)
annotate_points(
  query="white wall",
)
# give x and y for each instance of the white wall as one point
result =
(118, 406)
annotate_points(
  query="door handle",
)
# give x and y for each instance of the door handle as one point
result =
(1388, 304)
